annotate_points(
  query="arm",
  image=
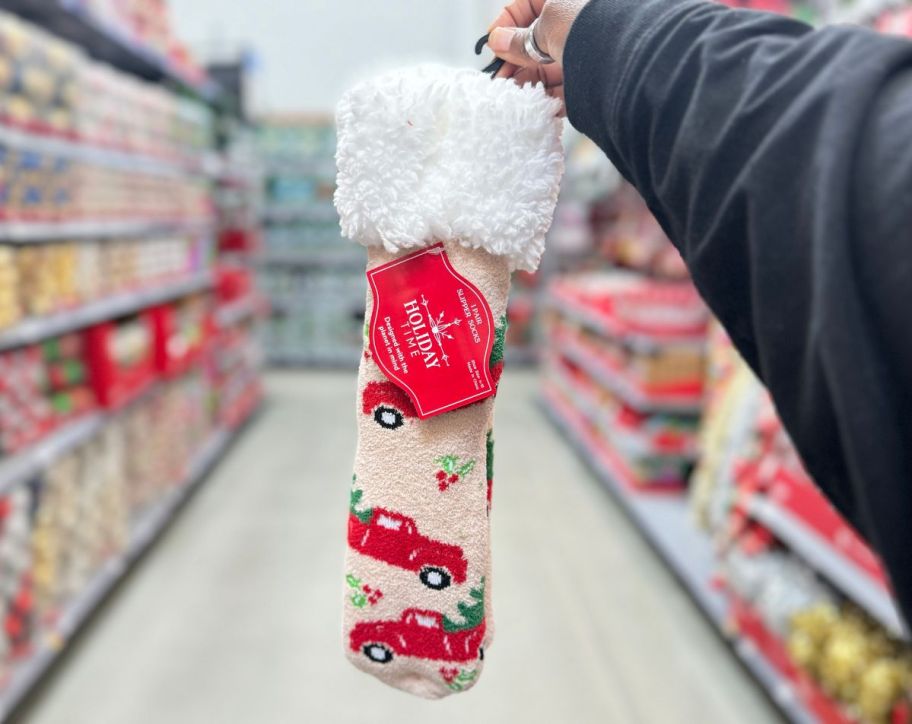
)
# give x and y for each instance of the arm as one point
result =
(779, 161)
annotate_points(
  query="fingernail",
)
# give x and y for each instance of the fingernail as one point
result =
(500, 39)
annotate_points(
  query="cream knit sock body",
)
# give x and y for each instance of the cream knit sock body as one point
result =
(418, 527)
(425, 155)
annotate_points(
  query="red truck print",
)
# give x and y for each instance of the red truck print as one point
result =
(394, 538)
(389, 405)
(421, 634)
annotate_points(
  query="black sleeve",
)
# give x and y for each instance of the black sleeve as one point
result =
(778, 159)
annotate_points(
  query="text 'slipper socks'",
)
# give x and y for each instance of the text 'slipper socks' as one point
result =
(449, 179)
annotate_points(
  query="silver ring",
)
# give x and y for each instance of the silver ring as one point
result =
(532, 49)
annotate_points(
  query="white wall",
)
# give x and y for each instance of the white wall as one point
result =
(310, 50)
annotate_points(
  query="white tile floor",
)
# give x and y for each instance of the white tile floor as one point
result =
(235, 616)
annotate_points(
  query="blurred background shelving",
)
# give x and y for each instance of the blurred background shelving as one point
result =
(162, 244)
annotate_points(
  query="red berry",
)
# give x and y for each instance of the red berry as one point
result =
(441, 475)
(453, 478)
(442, 485)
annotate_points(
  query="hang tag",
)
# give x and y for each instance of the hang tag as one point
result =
(431, 332)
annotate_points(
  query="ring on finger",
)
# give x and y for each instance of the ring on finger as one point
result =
(532, 48)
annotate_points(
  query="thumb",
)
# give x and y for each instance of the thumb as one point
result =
(509, 44)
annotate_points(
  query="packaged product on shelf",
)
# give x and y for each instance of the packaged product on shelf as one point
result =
(59, 529)
(67, 376)
(48, 85)
(56, 276)
(122, 356)
(16, 587)
(726, 430)
(630, 358)
(845, 666)
(162, 434)
(36, 77)
(54, 506)
(10, 307)
(654, 450)
(26, 413)
(180, 333)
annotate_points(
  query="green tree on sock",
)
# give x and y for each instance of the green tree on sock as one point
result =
(472, 613)
(355, 498)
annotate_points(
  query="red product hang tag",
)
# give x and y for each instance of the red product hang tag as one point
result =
(431, 331)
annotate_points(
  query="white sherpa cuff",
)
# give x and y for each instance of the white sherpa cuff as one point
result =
(431, 154)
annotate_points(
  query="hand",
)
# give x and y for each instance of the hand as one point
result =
(508, 35)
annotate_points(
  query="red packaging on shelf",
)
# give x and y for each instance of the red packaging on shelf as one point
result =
(118, 372)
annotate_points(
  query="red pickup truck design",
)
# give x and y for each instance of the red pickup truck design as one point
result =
(422, 634)
(389, 404)
(394, 538)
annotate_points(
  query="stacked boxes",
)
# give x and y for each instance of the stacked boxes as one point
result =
(629, 353)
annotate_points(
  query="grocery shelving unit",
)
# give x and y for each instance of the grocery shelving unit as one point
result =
(195, 309)
(104, 41)
(579, 386)
(35, 329)
(872, 595)
(313, 277)
(153, 523)
(666, 523)
(25, 232)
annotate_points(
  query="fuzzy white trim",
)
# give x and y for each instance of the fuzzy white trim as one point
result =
(432, 153)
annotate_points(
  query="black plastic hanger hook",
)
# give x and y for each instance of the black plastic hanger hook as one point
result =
(496, 64)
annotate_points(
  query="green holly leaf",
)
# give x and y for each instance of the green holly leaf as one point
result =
(447, 463)
(352, 581)
(359, 600)
(466, 468)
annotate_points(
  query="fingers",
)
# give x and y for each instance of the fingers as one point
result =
(518, 14)
(509, 43)
(549, 76)
(507, 70)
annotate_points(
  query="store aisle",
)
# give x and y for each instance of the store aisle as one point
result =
(234, 618)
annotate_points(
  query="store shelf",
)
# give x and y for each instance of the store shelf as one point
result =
(607, 327)
(87, 151)
(348, 258)
(624, 387)
(779, 689)
(666, 523)
(240, 310)
(21, 466)
(852, 580)
(25, 675)
(35, 231)
(104, 41)
(39, 328)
